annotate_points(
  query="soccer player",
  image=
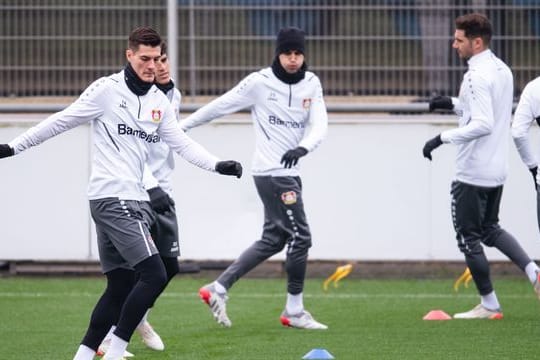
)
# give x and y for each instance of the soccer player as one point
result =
(130, 116)
(160, 211)
(485, 109)
(527, 111)
(284, 100)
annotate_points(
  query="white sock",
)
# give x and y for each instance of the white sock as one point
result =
(109, 334)
(531, 270)
(84, 353)
(490, 301)
(295, 304)
(117, 348)
(220, 289)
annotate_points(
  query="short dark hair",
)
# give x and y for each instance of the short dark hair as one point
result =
(163, 48)
(475, 25)
(143, 35)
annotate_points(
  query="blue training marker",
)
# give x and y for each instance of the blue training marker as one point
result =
(318, 354)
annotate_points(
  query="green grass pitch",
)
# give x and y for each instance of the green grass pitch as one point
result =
(45, 318)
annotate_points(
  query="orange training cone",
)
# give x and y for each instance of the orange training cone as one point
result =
(437, 315)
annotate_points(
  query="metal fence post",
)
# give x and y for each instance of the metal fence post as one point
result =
(172, 37)
(192, 74)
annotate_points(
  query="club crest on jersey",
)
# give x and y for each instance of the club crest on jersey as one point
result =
(306, 103)
(288, 197)
(272, 96)
(156, 116)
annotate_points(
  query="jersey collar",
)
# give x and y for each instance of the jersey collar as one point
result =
(134, 83)
(284, 76)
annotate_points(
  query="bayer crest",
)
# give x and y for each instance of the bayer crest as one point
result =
(156, 115)
(288, 197)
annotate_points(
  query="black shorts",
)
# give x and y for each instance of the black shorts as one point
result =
(122, 233)
(164, 229)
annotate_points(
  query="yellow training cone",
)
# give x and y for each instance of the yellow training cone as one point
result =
(340, 273)
(465, 278)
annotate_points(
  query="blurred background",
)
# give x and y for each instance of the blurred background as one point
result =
(357, 47)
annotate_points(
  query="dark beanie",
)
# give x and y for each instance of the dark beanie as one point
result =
(289, 39)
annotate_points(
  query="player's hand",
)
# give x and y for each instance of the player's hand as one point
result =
(290, 158)
(431, 145)
(534, 172)
(441, 102)
(6, 151)
(159, 199)
(229, 167)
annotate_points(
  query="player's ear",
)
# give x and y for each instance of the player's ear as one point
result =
(129, 54)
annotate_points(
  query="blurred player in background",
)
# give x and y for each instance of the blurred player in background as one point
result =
(284, 100)
(527, 111)
(129, 116)
(161, 211)
(485, 109)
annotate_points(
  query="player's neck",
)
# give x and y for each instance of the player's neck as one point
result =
(286, 77)
(134, 83)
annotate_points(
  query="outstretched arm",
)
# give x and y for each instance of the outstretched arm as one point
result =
(236, 99)
(191, 151)
(84, 109)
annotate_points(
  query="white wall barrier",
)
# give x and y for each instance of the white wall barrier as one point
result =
(369, 194)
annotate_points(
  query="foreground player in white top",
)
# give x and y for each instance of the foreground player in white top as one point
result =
(129, 116)
(160, 210)
(284, 100)
(485, 109)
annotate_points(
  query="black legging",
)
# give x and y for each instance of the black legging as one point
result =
(125, 300)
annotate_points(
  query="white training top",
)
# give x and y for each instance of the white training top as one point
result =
(160, 164)
(125, 126)
(485, 109)
(527, 111)
(281, 114)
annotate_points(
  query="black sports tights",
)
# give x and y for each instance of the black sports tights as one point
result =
(120, 282)
(125, 300)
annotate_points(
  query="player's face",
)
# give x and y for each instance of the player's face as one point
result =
(463, 45)
(163, 75)
(291, 61)
(144, 60)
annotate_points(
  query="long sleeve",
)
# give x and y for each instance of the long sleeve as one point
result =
(457, 105)
(85, 109)
(481, 119)
(234, 100)
(526, 112)
(318, 119)
(176, 139)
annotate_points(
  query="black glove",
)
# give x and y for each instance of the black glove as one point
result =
(431, 145)
(159, 199)
(290, 158)
(229, 167)
(534, 171)
(441, 102)
(5, 151)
